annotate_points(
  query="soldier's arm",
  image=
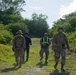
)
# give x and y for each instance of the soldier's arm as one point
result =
(41, 41)
(53, 41)
(30, 41)
(66, 41)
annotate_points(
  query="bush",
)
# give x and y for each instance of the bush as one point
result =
(14, 27)
(5, 37)
(72, 40)
(1, 27)
(2, 39)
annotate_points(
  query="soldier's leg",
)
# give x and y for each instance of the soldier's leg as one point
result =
(24, 56)
(63, 60)
(56, 56)
(21, 53)
(27, 56)
(46, 55)
(41, 54)
(16, 57)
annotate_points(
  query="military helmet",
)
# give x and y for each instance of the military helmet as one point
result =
(60, 28)
(19, 32)
(45, 34)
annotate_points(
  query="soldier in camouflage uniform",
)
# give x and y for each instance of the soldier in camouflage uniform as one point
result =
(44, 42)
(18, 47)
(59, 44)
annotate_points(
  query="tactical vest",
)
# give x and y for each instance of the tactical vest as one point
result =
(45, 41)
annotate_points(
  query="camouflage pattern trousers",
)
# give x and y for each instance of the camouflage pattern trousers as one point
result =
(19, 55)
(46, 50)
(60, 52)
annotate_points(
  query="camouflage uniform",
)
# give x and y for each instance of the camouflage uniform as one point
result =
(59, 44)
(18, 47)
(44, 48)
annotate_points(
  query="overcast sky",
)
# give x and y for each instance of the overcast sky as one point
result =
(54, 9)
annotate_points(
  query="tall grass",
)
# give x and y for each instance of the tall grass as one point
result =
(6, 53)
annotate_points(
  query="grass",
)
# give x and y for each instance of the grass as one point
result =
(33, 66)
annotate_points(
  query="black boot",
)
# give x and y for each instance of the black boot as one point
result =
(62, 69)
(27, 59)
(46, 62)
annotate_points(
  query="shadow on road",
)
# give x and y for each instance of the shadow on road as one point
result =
(42, 64)
(13, 68)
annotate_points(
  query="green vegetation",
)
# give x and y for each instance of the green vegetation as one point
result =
(6, 54)
(14, 27)
(72, 40)
(10, 17)
(33, 66)
(5, 35)
(38, 25)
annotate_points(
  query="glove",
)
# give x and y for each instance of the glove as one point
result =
(13, 49)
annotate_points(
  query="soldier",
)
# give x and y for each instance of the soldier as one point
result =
(28, 43)
(18, 47)
(59, 44)
(44, 42)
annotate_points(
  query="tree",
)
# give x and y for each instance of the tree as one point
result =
(38, 25)
(67, 27)
(14, 27)
(7, 18)
(73, 21)
(10, 10)
(68, 23)
(69, 15)
(13, 5)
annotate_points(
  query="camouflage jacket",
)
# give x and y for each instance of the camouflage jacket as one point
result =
(60, 39)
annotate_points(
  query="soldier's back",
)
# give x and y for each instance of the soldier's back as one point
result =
(18, 41)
